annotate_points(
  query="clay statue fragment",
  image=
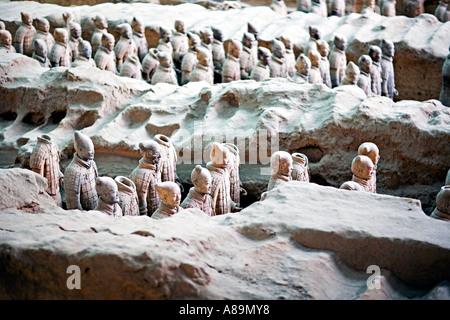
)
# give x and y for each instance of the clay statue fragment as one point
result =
(84, 55)
(44, 160)
(371, 150)
(300, 167)
(387, 69)
(180, 42)
(5, 42)
(189, 58)
(60, 53)
(245, 59)
(362, 169)
(281, 164)
(277, 63)
(164, 72)
(338, 60)
(24, 35)
(364, 80)
(261, 71)
(289, 56)
(101, 26)
(315, 75)
(150, 64)
(139, 37)
(203, 68)
(74, 39)
(375, 70)
(231, 69)
(105, 58)
(125, 46)
(442, 210)
(170, 195)
(303, 67)
(80, 174)
(324, 64)
(129, 202)
(351, 74)
(131, 68)
(444, 97)
(40, 53)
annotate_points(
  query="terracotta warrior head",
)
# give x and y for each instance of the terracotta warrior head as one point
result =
(40, 48)
(370, 150)
(387, 48)
(264, 55)
(5, 37)
(352, 72)
(193, 41)
(138, 25)
(253, 30)
(83, 146)
(42, 24)
(68, 17)
(61, 35)
(203, 56)
(201, 179)
(165, 35)
(75, 30)
(323, 47)
(362, 167)
(206, 35)
(125, 30)
(169, 193)
(27, 18)
(443, 199)
(365, 63)
(217, 34)
(150, 151)
(287, 42)
(314, 57)
(107, 189)
(314, 32)
(108, 41)
(247, 40)
(340, 42)
(100, 21)
(281, 163)
(234, 48)
(278, 49)
(165, 59)
(375, 53)
(303, 65)
(180, 26)
(219, 155)
(85, 49)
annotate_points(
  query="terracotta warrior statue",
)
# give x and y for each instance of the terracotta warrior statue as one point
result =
(412, 8)
(206, 36)
(289, 56)
(279, 7)
(368, 7)
(168, 162)
(74, 39)
(231, 69)
(101, 26)
(139, 37)
(253, 30)
(234, 165)
(218, 53)
(261, 71)
(189, 58)
(5, 42)
(300, 168)
(364, 80)
(314, 36)
(302, 66)
(371, 150)
(40, 53)
(338, 60)
(388, 8)
(324, 64)
(314, 73)
(304, 5)
(203, 68)
(80, 175)
(180, 42)
(105, 58)
(24, 35)
(387, 69)
(43, 33)
(60, 53)
(68, 18)
(444, 97)
(108, 196)
(281, 164)
(277, 64)
(170, 195)
(220, 190)
(199, 195)
(351, 74)
(337, 8)
(319, 7)
(150, 64)
(165, 71)
(362, 169)
(84, 55)
(131, 68)
(2, 25)
(165, 41)
(440, 10)
(44, 160)
(446, 15)
(245, 59)
(125, 46)
(375, 70)
(442, 210)
(128, 198)
(146, 175)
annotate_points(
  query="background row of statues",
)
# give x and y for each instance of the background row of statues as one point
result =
(182, 56)
(325, 8)
(153, 188)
